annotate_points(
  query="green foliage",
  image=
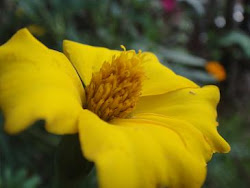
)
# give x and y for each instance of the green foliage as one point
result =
(29, 156)
(18, 178)
(232, 170)
(238, 39)
(112, 23)
(197, 5)
(71, 167)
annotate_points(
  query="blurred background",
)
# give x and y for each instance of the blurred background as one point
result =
(207, 41)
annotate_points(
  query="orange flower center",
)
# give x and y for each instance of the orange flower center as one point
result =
(114, 91)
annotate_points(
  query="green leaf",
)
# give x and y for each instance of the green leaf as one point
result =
(71, 167)
(198, 76)
(12, 178)
(237, 38)
(181, 57)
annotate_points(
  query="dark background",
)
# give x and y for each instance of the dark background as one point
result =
(186, 35)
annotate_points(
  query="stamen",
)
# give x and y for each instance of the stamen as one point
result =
(114, 91)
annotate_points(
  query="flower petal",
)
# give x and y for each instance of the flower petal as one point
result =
(196, 106)
(37, 83)
(136, 153)
(192, 138)
(88, 59)
(160, 79)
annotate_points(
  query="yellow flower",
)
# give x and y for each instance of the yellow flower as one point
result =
(140, 123)
(216, 70)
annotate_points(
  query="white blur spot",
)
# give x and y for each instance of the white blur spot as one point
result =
(238, 16)
(220, 21)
